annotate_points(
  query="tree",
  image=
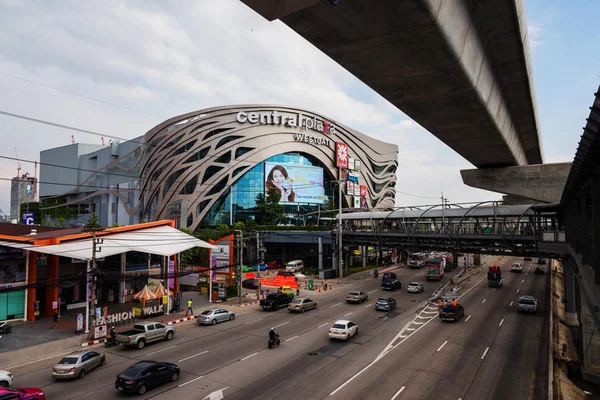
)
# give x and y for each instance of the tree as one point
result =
(269, 210)
(61, 222)
(195, 255)
(115, 225)
(93, 222)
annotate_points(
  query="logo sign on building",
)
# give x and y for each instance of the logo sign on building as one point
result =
(341, 155)
(28, 218)
(295, 120)
(350, 163)
(363, 190)
(363, 202)
(350, 188)
(356, 202)
(357, 165)
(353, 176)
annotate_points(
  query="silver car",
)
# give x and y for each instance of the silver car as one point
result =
(356, 297)
(214, 315)
(301, 305)
(415, 287)
(527, 304)
(76, 365)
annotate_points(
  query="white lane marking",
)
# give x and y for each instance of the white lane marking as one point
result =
(285, 323)
(485, 352)
(345, 315)
(468, 318)
(369, 305)
(432, 307)
(216, 395)
(501, 322)
(493, 290)
(195, 355)
(247, 357)
(420, 316)
(195, 379)
(410, 329)
(158, 351)
(391, 346)
(523, 281)
(251, 322)
(510, 305)
(443, 344)
(293, 337)
(526, 273)
(429, 312)
(483, 301)
(322, 325)
(335, 305)
(372, 291)
(518, 290)
(398, 393)
(402, 336)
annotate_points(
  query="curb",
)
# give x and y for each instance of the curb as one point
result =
(92, 342)
(248, 304)
(178, 321)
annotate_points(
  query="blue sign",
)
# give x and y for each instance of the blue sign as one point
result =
(27, 218)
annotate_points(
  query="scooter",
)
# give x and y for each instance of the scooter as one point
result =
(110, 342)
(274, 342)
(375, 274)
(5, 327)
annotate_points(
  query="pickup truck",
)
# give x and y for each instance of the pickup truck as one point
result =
(275, 301)
(449, 313)
(145, 332)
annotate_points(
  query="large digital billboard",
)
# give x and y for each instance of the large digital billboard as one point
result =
(295, 183)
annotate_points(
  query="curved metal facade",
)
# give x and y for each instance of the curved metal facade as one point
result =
(197, 157)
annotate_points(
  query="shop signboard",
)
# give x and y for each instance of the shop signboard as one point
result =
(363, 190)
(357, 165)
(341, 155)
(171, 274)
(99, 331)
(363, 202)
(356, 190)
(79, 322)
(36, 308)
(356, 202)
(353, 176)
(222, 293)
(165, 299)
(349, 188)
(350, 163)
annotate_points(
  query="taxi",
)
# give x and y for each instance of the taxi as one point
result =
(286, 290)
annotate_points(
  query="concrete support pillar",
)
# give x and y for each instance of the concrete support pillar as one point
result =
(52, 284)
(364, 255)
(477, 259)
(572, 297)
(31, 280)
(122, 298)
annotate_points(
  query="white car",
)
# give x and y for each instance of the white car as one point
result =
(527, 304)
(6, 379)
(343, 329)
(516, 267)
(415, 287)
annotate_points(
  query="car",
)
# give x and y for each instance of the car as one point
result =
(385, 304)
(301, 305)
(527, 258)
(286, 290)
(343, 329)
(540, 271)
(246, 268)
(516, 267)
(356, 297)
(6, 379)
(145, 375)
(214, 315)
(76, 365)
(274, 265)
(415, 287)
(263, 267)
(541, 261)
(527, 304)
(22, 393)
(252, 283)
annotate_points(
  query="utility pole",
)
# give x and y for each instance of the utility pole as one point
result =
(93, 227)
(258, 263)
(240, 247)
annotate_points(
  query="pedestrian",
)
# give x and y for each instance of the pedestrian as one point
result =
(298, 291)
(54, 320)
(190, 307)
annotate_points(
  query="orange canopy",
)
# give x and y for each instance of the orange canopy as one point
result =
(161, 291)
(145, 294)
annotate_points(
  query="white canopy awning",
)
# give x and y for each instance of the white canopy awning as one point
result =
(160, 240)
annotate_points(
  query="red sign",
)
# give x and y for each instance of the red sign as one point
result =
(341, 155)
(363, 190)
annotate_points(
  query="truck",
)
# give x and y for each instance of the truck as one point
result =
(495, 279)
(449, 313)
(450, 265)
(275, 301)
(416, 260)
(434, 268)
(145, 332)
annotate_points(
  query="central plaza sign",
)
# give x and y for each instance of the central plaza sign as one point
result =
(296, 120)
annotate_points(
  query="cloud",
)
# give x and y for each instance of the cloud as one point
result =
(169, 58)
(535, 33)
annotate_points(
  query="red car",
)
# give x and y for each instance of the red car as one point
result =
(22, 393)
(273, 265)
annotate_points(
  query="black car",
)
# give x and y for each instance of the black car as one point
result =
(145, 375)
(251, 283)
(527, 258)
(540, 270)
(541, 261)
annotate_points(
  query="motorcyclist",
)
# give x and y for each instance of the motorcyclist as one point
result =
(113, 334)
(273, 335)
(376, 273)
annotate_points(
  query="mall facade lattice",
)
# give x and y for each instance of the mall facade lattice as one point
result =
(208, 167)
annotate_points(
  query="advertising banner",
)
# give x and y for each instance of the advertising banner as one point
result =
(356, 189)
(343, 174)
(171, 274)
(363, 190)
(357, 165)
(363, 202)
(295, 183)
(353, 176)
(341, 155)
(350, 163)
(349, 188)
(79, 322)
(356, 202)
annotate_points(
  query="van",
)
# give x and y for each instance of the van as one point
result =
(295, 266)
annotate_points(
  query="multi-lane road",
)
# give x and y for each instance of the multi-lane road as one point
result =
(493, 352)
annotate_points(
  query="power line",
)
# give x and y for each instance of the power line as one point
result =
(80, 95)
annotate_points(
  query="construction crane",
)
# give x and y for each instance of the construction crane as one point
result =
(18, 164)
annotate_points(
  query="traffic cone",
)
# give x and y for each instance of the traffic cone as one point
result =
(319, 289)
(338, 282)
(186, 314)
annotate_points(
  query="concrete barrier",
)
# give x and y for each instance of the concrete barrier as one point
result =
(463, 277)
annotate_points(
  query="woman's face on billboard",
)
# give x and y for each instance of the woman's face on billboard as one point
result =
(278, 178)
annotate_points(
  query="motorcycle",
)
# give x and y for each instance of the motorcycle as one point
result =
(5, 327)
(274, 342)
(110, 342)
(375, 274)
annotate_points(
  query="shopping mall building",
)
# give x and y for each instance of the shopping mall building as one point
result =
(207, 167)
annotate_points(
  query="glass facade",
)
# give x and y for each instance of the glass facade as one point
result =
(12, 305)
(252, 183)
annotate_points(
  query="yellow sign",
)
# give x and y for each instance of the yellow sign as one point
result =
(137, 312)
(36, 313)
(165, 300)
(204, 290)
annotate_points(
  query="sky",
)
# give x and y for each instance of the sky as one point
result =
(147, 61)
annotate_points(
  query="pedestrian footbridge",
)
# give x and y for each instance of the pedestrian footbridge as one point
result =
(485, 228)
